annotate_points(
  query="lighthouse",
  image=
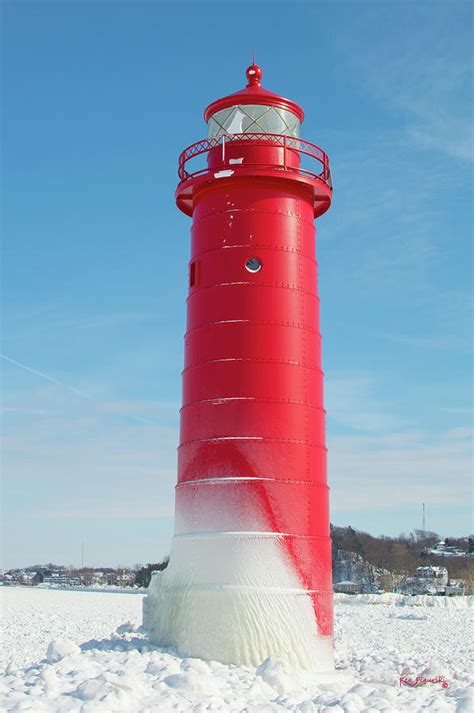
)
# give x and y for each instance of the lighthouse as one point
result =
(250, 565)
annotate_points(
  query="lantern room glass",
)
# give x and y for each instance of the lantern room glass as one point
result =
(253, 118)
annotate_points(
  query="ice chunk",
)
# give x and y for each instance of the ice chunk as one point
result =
(194, 682)
(60, 648)
(273, 672)
(127, 628)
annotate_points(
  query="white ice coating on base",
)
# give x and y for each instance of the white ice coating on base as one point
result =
(227, 599)
(233, 596)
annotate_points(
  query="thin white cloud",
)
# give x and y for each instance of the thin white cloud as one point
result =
(400, 470)
(351, 402)
(442, 133)
(431, 341)
(20, 410)
(137, 510)
(424, 74)
(384, 464)
(105, 405)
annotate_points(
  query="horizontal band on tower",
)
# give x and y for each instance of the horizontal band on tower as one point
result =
(266, 211)
(256, 322)
(212, 534)
(254, 399)
(185, 588)
(249, 479)
(257, 246)
(276, 285)
(252, 438)
(253, 360)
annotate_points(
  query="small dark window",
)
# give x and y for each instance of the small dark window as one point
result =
(193, 274)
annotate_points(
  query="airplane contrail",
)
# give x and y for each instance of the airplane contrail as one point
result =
(46, 376)
(53, 380)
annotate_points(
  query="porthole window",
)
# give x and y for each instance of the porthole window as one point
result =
(253, 264)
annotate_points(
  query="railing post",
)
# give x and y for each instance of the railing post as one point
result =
(223, 148)
(284, 151)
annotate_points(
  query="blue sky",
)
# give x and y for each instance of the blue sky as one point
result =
(99, 98)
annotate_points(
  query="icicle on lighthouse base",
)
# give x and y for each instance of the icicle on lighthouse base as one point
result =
(250, 567)
(259, 611)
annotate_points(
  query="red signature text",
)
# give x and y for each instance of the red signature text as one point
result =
(422, 681)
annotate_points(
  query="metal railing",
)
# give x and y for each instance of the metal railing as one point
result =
(287, 143)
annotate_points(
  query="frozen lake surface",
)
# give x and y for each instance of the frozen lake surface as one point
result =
(100, 660)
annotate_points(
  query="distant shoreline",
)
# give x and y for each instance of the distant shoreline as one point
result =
(99, 590)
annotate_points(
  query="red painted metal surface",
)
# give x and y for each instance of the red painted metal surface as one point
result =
(262, 155)
(253, 420)
(254, 93)
(284, 158)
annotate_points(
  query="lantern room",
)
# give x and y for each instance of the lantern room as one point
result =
(253, 110)
(254, 132)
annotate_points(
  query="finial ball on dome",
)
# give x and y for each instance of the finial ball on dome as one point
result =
(254, 74)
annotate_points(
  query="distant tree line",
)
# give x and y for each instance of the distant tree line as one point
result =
(398, 556)
(403, 554)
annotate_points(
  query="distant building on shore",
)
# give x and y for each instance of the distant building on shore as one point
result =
(347, 587)
(430, 580)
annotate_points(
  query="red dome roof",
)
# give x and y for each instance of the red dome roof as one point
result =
(254, 93)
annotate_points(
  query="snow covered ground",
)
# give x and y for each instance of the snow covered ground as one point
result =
(100, 660)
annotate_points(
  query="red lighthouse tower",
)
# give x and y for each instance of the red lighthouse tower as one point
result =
(250, 568)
